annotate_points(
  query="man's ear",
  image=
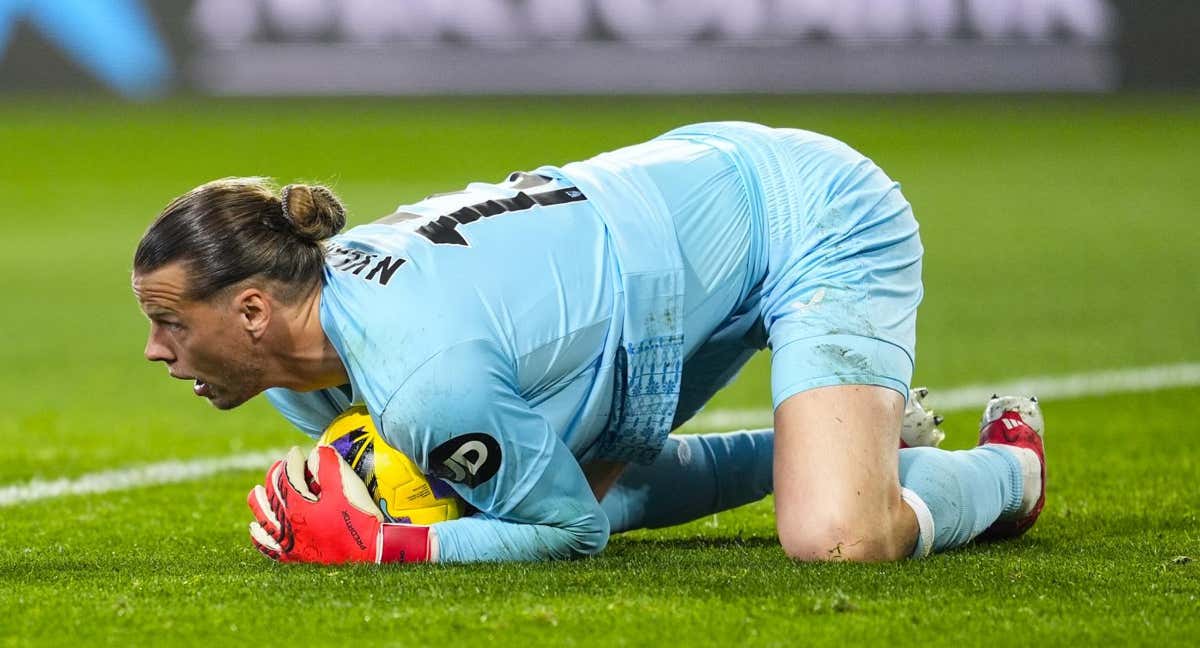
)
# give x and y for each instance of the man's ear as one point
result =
(254, 311)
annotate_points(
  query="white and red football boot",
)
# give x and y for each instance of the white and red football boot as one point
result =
(920, 425)
(1016, 421)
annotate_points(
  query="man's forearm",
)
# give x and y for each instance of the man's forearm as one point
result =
(694, 476)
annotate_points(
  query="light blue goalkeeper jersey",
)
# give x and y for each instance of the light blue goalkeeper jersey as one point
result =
(504, 335)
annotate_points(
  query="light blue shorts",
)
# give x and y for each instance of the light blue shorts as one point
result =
(842, 278)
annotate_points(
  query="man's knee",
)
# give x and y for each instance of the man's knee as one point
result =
(840, 535)
(837, 487)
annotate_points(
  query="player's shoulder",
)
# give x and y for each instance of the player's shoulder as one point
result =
(440, 226)
(412, 341)
(311, 412)
(519, 191)
(450, 388)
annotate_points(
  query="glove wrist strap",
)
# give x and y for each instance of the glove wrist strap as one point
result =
(402, 543)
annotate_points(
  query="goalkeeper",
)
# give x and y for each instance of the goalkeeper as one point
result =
(530, 341)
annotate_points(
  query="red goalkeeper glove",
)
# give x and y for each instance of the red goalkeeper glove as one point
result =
(319, 511)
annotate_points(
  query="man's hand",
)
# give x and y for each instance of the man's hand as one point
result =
(319, 511)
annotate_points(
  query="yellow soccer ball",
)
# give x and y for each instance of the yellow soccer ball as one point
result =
(396, 484)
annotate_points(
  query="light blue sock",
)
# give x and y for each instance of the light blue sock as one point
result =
(962, 492)
(695, 475)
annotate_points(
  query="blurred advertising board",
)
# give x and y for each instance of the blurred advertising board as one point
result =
(146, 48)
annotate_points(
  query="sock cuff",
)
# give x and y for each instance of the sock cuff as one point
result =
(925, 526)
(1016, 477)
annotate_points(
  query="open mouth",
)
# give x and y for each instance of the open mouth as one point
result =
(201, 388)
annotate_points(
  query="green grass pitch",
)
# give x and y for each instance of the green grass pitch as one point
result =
(1061, 236)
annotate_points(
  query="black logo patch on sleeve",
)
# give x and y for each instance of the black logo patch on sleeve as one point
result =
(469, 459)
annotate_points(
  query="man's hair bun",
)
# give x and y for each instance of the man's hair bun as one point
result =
(313, 211)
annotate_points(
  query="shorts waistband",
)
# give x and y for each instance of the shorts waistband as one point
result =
(766, 163)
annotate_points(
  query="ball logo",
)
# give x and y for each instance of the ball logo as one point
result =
(469, 459)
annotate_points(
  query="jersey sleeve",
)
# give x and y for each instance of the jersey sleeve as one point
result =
(309, 411)
(461, 418)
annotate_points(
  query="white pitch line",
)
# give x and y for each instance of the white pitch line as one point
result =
(163, 472)
(1099, 383)
(1045, 387)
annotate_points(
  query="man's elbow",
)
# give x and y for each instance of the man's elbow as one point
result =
(589, 534)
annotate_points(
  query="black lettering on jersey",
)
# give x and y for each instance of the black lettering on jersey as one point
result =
(359, 264)
(344, 259)
(385, 269)
(469, 459)
(443, 230)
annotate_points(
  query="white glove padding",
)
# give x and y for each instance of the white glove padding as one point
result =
(318, 510)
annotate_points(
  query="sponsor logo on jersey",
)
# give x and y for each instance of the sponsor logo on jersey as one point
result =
(469, 459)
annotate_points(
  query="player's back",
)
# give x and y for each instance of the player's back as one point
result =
(722, 247)
(523, 265)
(653, 250)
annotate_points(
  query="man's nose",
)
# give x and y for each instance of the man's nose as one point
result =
(158, 352)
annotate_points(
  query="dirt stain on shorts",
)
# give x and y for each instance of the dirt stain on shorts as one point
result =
(843, 361)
